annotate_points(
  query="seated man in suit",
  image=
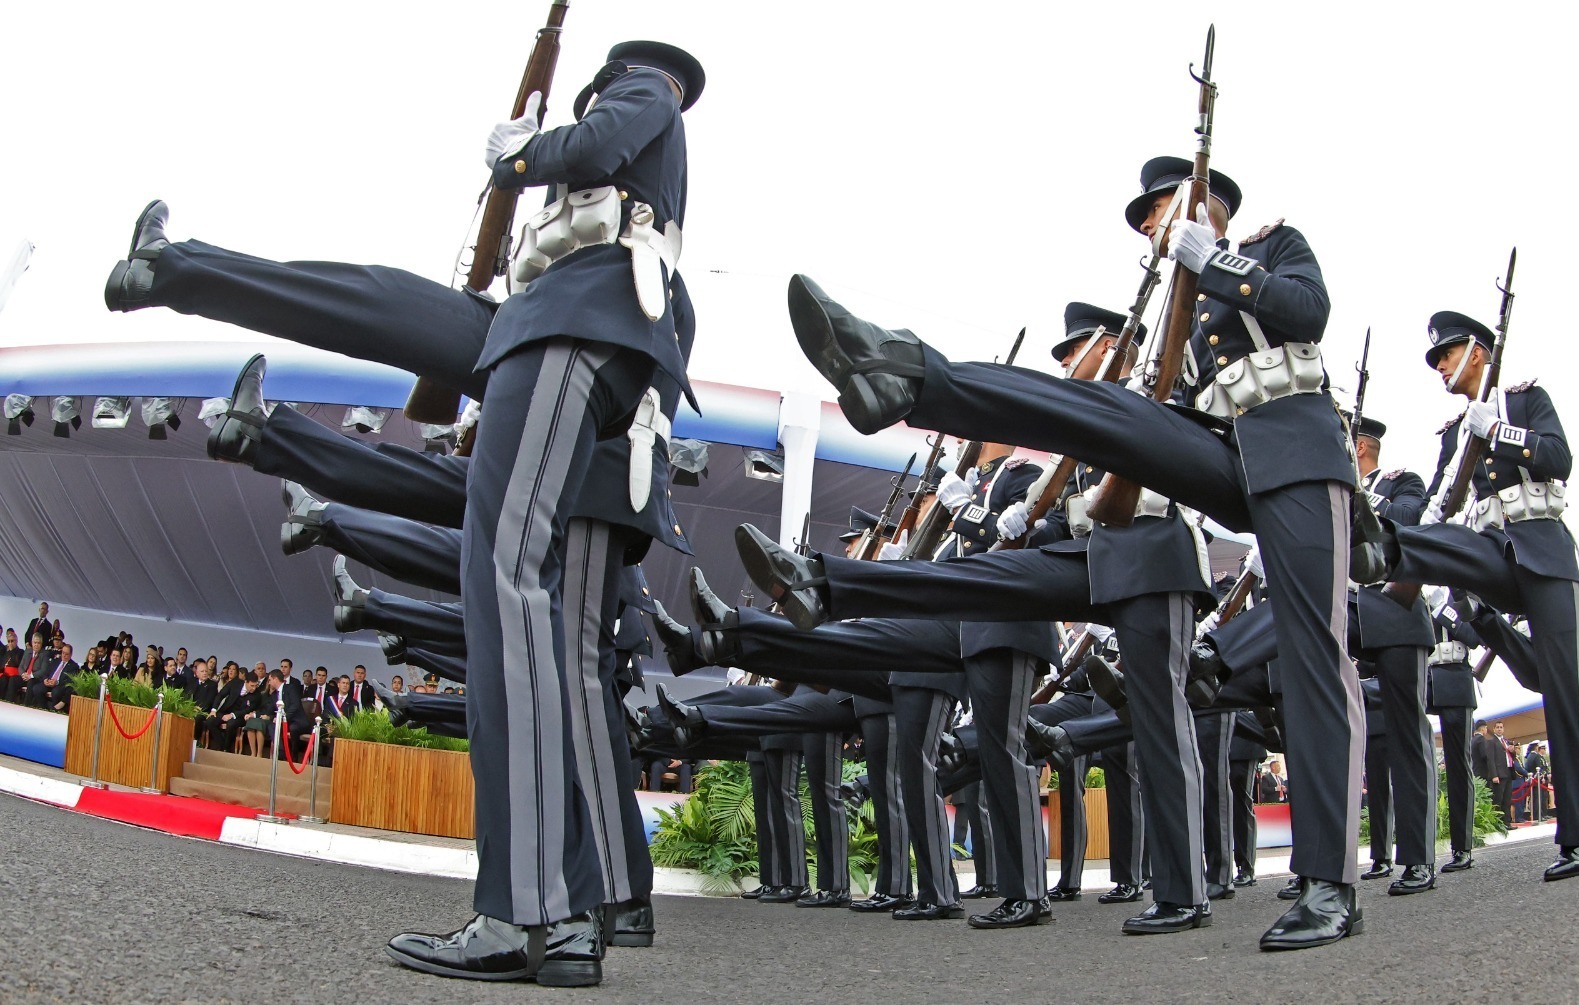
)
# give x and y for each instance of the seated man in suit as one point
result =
(204, 692)
(53, 691)
(32, 670)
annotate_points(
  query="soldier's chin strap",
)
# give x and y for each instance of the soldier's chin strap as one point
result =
(1463, 361)
(1095, 336)
(1175, 207)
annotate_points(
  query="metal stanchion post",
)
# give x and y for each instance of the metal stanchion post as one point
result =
(98, 731)
(272, 817)
(312, 816)
(153, 770)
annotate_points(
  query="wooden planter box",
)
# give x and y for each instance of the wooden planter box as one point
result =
(1096, 824)
(123, 761)
(402, 789)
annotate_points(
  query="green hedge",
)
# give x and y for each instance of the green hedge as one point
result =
(85, 683)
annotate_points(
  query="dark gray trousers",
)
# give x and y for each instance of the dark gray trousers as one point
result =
(1129, 824)
(878, 736)
(920, 716)
(1457, 729)
(1000, 682)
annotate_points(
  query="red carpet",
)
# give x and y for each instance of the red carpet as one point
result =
(171, 814)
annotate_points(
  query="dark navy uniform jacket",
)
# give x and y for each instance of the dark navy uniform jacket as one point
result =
(605, 495)
(1152, 555)
(1529, 437)
(1275, 279)
(1004, 482)
(633, 139)
(1382, 622)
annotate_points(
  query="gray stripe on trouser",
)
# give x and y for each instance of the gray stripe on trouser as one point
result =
(1072, 857)
(1137, 807)
(984, 851)
(769, 822)
(1340, 496)
(1032, 838)
(1222, 813)
(940, 867)
(893, 832)
(533, 684)
(838, 818)
(1181, 636)
(1426, 749)
(586, 568)
(792, 821)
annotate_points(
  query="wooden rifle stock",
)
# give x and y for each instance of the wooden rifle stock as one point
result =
(1475, 447)
(1083, 644)
(1483, 665)
(1117, 497)
(430, 401)
(925, 487)
(872, 539)
(1237, 598)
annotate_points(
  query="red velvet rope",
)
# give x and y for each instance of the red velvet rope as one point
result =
(153, 713)
(306, 754)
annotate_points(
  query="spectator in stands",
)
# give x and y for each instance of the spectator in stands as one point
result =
(229, 707)
(204, 693)
(257, 717)
(340, 703)
(305, 682)
(1274, 786)
(33, 668)
(10, 661)
(150, 671)
(174, 676)
(128, 663)
(319, 689)
(288, 703)
(287, 668)
(41, 624)
(55, 689)
(183, 663)
(361, 691)
(397, 684)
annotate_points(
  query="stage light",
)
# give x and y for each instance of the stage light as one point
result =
(18, 412)
(364, 419)
(688, 461)
(212, 410)
(112, 413)
(764, 466)
(66, 416)
(159, 413)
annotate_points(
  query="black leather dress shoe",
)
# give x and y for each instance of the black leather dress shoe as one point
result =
(393, 648)
(678, 641)
(565, 954)
(303, 526)
(754, 894)
(923, 911)
(1161, 918)
(795, 581)
(395, 704)
(629, 923)
(979, 892)
(236, 435)
(1123, 893)
(1244, 877)
(1205, 676)
(1566, 866)
(350, 600)
(881, 902)
(1050, 744)
(1380, 869)
(825, 898)
(132, 280)
(1060, 894)
(1461, 860)
(877, 372)
(708, 610)
(1012, 913)
(782, 894)
(1292, 889)
(1217, 891)
(1416, 879)
(686, 719)
(1324, 913)
(720, 647)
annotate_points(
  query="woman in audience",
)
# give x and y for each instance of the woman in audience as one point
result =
(149, 671)
(254, 723)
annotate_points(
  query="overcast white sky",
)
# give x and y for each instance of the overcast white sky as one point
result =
(960, 169)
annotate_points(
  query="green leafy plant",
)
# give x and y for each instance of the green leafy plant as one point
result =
(1487, 819)
(373, 726)
(85, 683)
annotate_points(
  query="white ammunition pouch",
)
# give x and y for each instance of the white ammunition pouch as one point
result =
(1078, 509)
(582, 219)
(1517, 503)
(649, 425)
(651, 249)
(1449, 652)
(1264, 375)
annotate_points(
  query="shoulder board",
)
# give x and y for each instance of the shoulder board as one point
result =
(1516, 388)
(1262, 234)
(1394, 475)
(1014, 462)
(1449, 424)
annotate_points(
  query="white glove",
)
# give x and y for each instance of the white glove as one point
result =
(1208, 624)
(954, 491)
(1253, 564)
(1014, 521)
(1193, 243)
(893, 549)
(510, 138)
(1482, 419)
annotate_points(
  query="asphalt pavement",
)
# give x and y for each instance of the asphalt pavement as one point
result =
(95, 911)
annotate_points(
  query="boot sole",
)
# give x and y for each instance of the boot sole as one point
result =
(137, 228)
(858, 399)
(112, 288)
(553, 973)
(631, 940)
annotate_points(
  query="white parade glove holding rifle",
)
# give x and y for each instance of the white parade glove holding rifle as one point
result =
(510, 138)
(1482, 419)
(1193, 243)
(954, 491)
(893, 549)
